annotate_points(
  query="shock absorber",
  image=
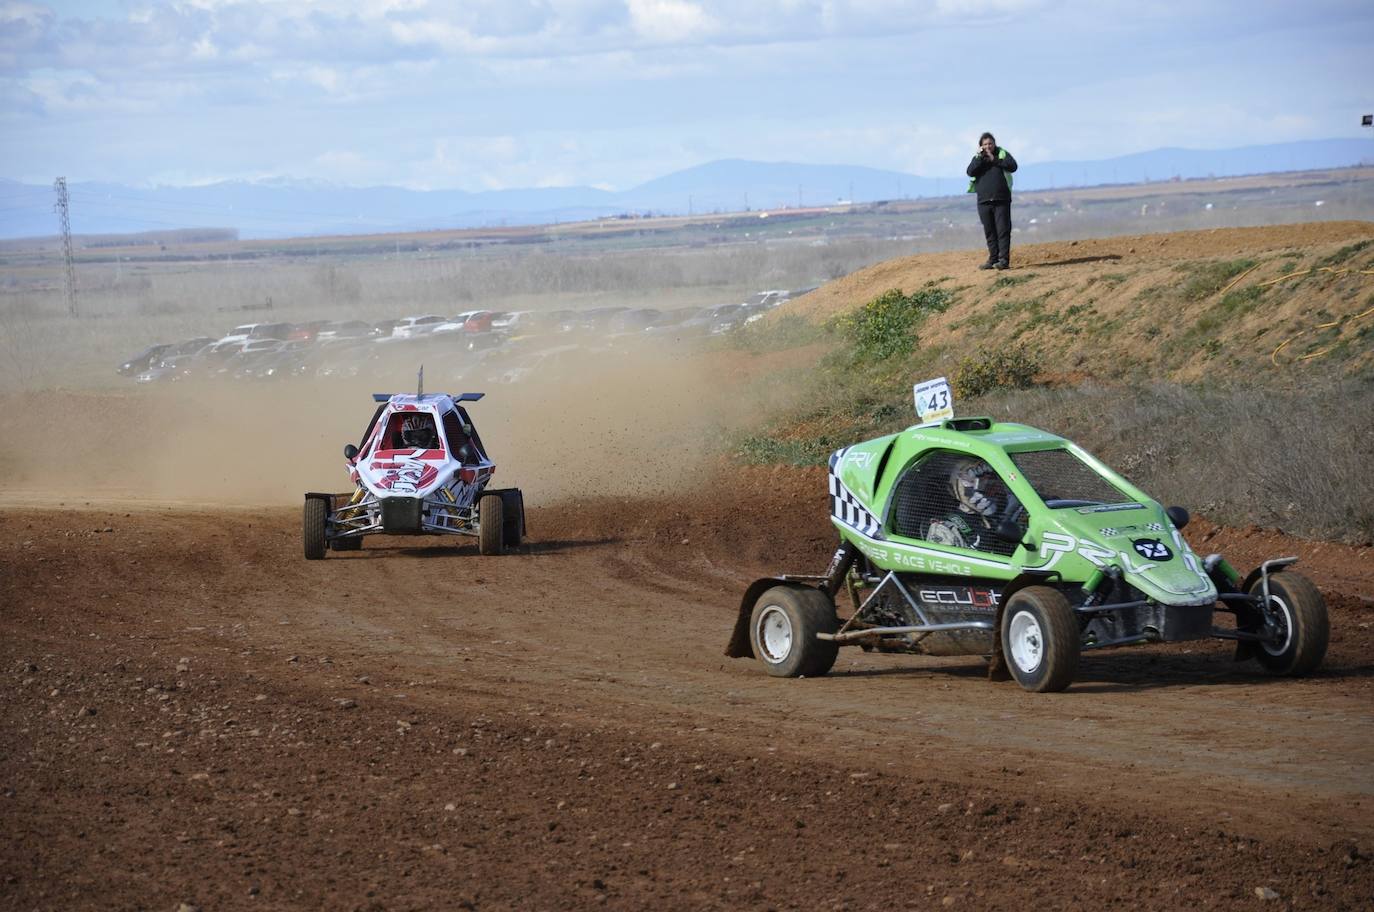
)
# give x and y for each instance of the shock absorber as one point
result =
(839, 567)
(1092, 588)
(358, 494)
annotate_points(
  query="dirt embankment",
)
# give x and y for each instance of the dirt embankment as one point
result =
(1182, 305)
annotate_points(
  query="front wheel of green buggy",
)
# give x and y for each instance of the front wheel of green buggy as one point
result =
(1040, 639)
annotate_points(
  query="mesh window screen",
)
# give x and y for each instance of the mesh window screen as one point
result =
(453, 430)
(925, 506)
(1058, 475)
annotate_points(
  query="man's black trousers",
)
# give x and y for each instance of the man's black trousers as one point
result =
(996, 216)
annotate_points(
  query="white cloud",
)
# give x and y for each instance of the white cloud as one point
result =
(671, 21)
(204, 49)
(24, 28)
(326, 78)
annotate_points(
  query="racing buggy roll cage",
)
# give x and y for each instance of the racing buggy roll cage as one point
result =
(417, 486)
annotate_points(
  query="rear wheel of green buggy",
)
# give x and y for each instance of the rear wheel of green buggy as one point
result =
(783, 628)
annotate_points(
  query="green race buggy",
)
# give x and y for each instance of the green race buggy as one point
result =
(969, 537)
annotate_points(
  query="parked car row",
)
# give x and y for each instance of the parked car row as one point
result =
(328, 348)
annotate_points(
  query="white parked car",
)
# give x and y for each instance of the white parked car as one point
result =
(408, 327)
(237, 334)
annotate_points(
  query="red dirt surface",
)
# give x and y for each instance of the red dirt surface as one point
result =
(193, 714)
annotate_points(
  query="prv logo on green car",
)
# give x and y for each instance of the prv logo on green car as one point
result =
(962, 536)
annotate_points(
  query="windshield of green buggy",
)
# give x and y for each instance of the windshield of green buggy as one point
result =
(1063, 480)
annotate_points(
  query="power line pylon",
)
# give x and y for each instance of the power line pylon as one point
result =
(64, 217)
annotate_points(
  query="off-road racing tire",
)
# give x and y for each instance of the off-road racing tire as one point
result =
(347, 544)
(1040, 639)
(490, 524)
(783, 628)
(313, 521)
(513, 508)
(1305, 627)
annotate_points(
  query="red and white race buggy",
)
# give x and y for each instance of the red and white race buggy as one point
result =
(421, 470)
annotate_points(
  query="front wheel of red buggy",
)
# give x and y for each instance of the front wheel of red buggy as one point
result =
(490, 524)
(314, 519)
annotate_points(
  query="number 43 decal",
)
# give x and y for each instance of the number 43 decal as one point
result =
(934, 401)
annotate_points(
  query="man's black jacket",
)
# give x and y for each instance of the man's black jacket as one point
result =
(990, 180)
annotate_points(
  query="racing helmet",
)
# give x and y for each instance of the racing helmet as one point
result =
(976, 487)
(417, 431)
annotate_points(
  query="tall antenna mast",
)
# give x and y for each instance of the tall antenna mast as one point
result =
(64, 218)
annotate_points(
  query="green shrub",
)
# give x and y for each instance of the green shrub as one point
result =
(1209, 278)
(1340, 256)
(1241, 301)
(1011, 281)
(989, 370)
(886, 326)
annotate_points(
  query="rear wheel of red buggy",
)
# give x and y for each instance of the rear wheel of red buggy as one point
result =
(513, 510)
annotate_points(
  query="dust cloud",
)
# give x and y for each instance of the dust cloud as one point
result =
(634, 419)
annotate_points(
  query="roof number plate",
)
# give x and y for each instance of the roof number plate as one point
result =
(934, 402)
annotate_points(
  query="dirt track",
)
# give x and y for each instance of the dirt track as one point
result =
(193, 713)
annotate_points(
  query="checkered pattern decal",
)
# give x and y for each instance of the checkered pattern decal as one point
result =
(1113, 531)
(845, 507)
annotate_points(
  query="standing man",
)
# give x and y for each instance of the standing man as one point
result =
(990, 173)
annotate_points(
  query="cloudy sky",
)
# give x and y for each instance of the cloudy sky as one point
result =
(488, 94)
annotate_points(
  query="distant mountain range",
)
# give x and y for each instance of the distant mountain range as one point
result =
(295, 208)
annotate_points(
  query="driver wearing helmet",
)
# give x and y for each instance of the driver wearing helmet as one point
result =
(981, 496)
(418, 431)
